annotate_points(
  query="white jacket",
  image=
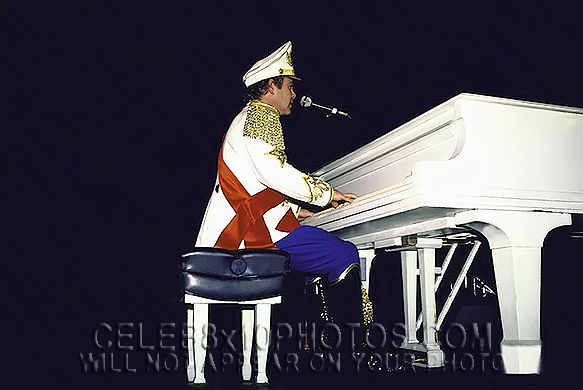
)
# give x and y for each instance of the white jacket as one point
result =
(254, 151)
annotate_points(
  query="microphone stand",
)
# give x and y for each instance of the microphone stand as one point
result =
(331, 111)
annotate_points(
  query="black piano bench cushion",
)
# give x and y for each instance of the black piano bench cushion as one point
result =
(226, 275)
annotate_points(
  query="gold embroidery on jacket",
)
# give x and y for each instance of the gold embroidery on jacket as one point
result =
(279, 154)
(262, 123)
(317, 188)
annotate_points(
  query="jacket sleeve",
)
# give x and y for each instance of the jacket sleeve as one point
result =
(271, 168)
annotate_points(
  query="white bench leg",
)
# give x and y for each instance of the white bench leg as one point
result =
(254, 323)
(190, 343)
(263, 321)
(201, 323)
(247, 325)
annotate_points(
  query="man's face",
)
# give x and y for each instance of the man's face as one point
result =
(284, 96)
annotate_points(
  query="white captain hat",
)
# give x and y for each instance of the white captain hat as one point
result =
(278, 63)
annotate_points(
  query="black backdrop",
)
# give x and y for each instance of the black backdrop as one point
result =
(113, 112)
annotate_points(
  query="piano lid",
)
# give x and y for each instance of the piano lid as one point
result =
(396, 138)
(472, 151)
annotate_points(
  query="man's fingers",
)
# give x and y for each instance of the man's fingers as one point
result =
(350, 197)
(342, 197)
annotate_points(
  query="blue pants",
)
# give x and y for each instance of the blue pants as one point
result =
(314, 250)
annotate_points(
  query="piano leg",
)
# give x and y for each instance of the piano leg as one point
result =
(518, 277)
(409, 275)
(516, 240)
(435, 356)
(423, 253)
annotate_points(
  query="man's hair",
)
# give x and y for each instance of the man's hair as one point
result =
(255, 91)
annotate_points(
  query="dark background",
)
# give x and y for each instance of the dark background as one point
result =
(112, 113)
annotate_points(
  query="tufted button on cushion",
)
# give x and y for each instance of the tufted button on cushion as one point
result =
(238, 266)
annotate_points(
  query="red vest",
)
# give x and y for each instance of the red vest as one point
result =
(248, 223)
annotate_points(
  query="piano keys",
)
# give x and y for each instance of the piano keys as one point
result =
(508, 169)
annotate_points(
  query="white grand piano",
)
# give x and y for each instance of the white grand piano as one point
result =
(510, 170)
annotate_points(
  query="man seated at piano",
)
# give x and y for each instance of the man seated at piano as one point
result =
(252, 204)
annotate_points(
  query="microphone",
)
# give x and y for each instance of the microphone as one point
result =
(306, 101)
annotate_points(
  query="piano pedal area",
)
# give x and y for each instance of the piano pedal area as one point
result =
(448, 313)
(464, 325)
